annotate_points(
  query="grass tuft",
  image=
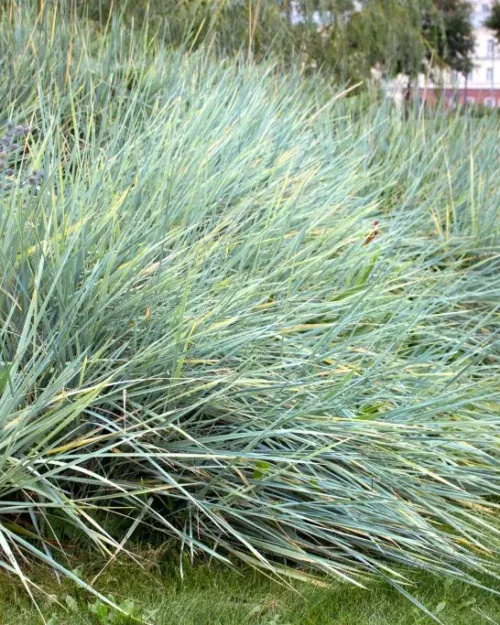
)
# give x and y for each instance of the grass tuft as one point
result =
(204, 332)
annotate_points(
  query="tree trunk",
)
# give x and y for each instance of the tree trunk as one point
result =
(408, 98)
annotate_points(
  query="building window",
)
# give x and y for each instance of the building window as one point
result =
(489, 74)
(471, 100)
(491, 48)
(486, 8)
(489, 102)
(470, 77)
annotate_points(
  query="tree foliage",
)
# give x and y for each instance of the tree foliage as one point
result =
(493, 20)
(344, 37)
(451, 37)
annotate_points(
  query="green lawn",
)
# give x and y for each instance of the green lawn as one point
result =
(215, 595)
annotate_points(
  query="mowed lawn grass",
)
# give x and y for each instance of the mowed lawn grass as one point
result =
(210, 595)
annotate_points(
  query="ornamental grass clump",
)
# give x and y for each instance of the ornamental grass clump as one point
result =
(246, 314)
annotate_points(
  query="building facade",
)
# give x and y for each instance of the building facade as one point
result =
(482, 85)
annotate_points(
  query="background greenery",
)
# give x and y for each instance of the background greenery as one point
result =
(493, 21)
(424, 35)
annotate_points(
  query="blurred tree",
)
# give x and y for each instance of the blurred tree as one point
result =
(493, 20)
(348, 38)
(451, 37)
